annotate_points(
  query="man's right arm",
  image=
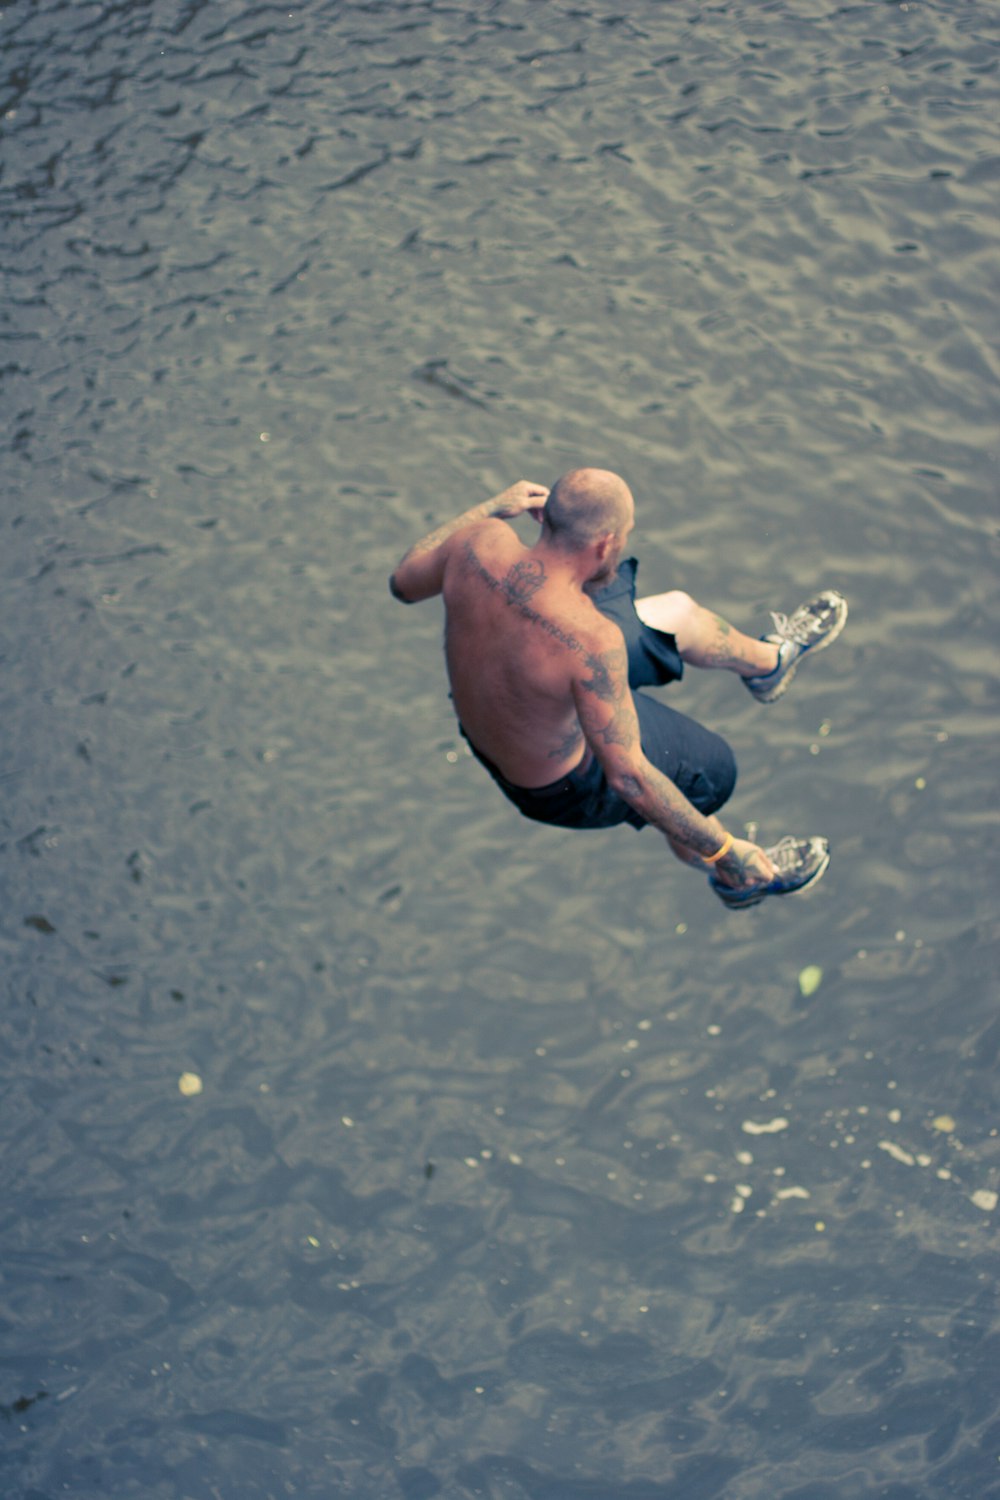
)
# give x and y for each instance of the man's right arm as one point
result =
(609, 721)
(420, 573)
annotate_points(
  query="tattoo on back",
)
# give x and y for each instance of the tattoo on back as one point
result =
(570, 743)
(608, 680)
(523, 581)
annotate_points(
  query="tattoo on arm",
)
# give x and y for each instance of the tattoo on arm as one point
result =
(620, 730)
(608, 684)
(609, 675)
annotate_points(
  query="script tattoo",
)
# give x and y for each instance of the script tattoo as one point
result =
(523, 580)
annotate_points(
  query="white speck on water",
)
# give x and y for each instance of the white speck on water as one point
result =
(897, 1153)
(767, 1127)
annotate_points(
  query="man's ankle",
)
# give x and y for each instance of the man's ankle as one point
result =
(765, 660)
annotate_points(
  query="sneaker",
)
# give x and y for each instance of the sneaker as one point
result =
(809, 628)
(799, 862)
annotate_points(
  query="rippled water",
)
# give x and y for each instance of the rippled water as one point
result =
(519, 1167)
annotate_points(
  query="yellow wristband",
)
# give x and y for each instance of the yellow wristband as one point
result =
(727, 844)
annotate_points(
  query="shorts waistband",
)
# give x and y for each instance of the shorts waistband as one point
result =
(550, 789)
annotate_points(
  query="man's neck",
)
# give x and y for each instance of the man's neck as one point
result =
(570, 569)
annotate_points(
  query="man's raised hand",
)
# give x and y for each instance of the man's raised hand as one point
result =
(518, 498)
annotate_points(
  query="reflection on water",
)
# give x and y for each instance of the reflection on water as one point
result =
(517, 1166)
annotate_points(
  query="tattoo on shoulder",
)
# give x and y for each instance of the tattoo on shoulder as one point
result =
(607, 680)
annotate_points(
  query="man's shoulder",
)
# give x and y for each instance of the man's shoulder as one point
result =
(482, 539)
(596, 634)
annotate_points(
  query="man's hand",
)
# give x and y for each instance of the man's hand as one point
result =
(745, 866)
(518, 498)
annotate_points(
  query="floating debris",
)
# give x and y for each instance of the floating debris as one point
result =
(436, 372)
(22, 1404)
(897, 1153)
(768, 1127)
(944, 1123)
(189, 1085)
(810, 979)
(985, 1200)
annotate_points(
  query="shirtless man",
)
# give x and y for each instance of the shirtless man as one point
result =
(544, 646)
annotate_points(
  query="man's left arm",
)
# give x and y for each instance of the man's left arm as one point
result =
(420, 573)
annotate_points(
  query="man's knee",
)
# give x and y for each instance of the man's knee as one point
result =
(669, 612)
(713, 783)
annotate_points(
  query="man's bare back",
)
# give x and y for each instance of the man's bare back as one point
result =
(516, 635)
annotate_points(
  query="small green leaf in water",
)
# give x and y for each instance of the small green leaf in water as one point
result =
(810, 979)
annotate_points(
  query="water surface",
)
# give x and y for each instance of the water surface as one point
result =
(520, 1168)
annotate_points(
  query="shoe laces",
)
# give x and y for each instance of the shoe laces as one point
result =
(787, 855)
(799, 627)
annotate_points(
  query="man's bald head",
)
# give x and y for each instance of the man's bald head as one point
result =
(585, 505)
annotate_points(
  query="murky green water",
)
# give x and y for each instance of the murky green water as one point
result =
(520, 1168)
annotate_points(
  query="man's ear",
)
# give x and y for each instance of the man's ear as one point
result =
(603, 545)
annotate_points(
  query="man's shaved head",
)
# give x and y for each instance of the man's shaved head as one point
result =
(586, 504)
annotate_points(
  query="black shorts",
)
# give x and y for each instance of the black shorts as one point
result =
(653, 658)
(698, 761)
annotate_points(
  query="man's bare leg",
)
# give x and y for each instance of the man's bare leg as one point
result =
(705, 639)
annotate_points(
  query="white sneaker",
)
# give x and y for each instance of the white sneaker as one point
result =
(811, 627)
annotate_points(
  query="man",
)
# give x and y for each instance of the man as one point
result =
(544, 645)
